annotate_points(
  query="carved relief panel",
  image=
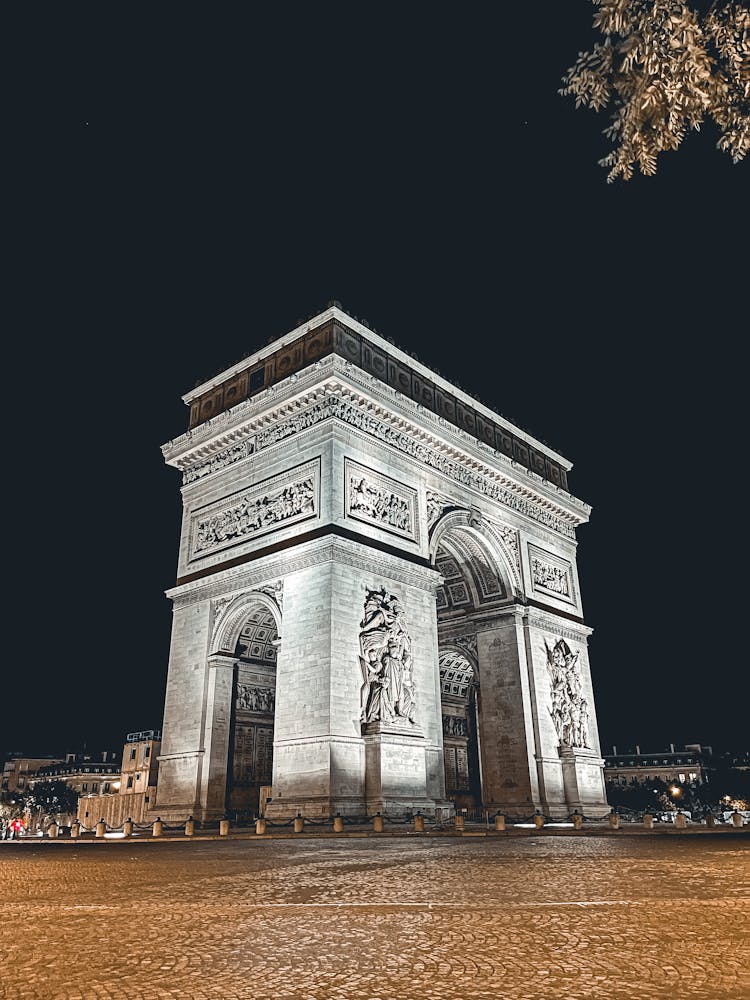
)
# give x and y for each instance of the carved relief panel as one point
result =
(569, 708)
(551, 576)
(274, 503)
(379, 500)
(388, 692)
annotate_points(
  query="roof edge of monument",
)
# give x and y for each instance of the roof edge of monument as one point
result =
(336, 313)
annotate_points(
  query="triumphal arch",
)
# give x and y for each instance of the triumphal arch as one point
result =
(377, 605)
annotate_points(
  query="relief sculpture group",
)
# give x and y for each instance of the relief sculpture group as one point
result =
(388, 691)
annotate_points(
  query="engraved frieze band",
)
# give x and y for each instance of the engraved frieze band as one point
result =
(274, 503)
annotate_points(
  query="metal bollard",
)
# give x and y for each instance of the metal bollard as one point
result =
(52, 830)
(499, 821)
(260, 826)
(648, 821)
(710, 821)
(189, 827)
(101, 829)
(75, 831)
(127, 827)
(338, 824)
(680, 821)
(223, 827)
(158, 828)
(377, 823)
(577, 821)
(538, 820)
(736, 819)
(459, 824)
(299, 823)
(614, 821)
(419, 823)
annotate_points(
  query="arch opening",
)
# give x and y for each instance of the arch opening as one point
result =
(253, 710)
(477, 579)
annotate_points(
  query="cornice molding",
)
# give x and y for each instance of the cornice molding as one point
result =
(267, 569)
(300, 390)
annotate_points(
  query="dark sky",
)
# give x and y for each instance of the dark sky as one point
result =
(186, 186)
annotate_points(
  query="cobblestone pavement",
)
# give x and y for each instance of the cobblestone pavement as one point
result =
(377, 920)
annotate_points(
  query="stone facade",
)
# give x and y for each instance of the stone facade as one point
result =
(356, 567)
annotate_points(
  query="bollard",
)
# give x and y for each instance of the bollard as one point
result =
(680, 821)
(419, 823)
(158, 827)
(736, 819)
(499, 821)
(377, 823)
(459, 824)
(338, 824)
(614, 821)
(710, 821)
(75, 831)
(648, 821)
(299, 823)
(52, 830)
(260, 826)
(127, 827)
(577, 821)
(223, 827)
(189, 826)
(101, 829)
(538, 820)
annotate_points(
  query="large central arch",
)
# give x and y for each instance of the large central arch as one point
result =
(487, 743)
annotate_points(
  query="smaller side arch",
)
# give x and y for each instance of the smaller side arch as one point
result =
(227, 631)
(470, 520)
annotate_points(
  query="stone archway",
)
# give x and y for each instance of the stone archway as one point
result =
(482, 665)
(459, 688)
(253, 631)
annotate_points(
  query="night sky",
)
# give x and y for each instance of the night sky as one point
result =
(186, 187)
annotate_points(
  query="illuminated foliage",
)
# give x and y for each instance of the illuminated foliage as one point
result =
(664, 68)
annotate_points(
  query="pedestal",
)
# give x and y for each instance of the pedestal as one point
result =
(396, 770)
(583, 782)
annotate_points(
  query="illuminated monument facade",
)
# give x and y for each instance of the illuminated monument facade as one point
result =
(377, 605)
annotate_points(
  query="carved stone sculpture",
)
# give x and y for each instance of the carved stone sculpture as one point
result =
(552, 578)
(253, 515)
(569, 708)
(256, 699)
(376, 504)
(454, 725)
(388, 691)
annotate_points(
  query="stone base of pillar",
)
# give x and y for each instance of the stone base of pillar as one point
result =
(396, 771)
(583, 782)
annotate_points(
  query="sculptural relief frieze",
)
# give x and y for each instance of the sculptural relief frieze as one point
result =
(569, 708)
(256, 699)
(336, 406)
(437, 504)
(279, 502)
(550, 574)
(388, 692)
(219, 461)
(377, 499)
(454, 725)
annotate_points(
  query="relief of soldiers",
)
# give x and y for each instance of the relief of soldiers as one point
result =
(388, 691)
(569, 709)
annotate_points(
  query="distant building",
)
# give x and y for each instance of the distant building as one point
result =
(134, 789)
(18, 770)
(686, 766)
(83, 772)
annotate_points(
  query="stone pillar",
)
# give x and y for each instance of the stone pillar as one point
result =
(506, 737)
(190, 827)
(75, 830)
(459, 824)
(710, 821)
(648, 821)
(216, 734)
(325, 760)
(127, 828)
(52, 830)
(223, 827)
(260, 826)
(338, 824)
(499, 821)
(377, 823)
(680, 821)
(614, 821)
(299, 824)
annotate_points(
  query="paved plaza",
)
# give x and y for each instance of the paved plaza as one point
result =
(371, 919)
